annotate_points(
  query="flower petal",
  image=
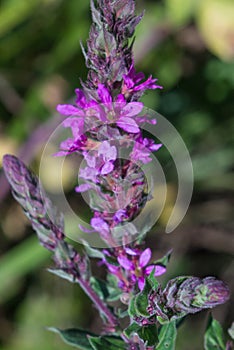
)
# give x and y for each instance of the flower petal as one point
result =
(83, 188)
(132, 109)
(141, 283)
(100, 225)
(107, 168)
(159, 270)
(131, 251)
(125, 263)
(128, 124)
(69, 110)
(104, 94)
(145, 257)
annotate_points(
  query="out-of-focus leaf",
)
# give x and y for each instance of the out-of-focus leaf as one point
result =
(216, 24)
(214, 336)
(179, 11)
(13, 12)
(212, 164)
(18, 262)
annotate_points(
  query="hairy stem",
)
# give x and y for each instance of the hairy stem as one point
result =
(100, 305)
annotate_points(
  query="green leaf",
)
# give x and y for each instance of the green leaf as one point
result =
(167, 337)
(107, 343)
(149, 334)
(133, 328)
(141, 304)
(92, 253)
(132, 309)
(141, 300)
(100, 287)
(75, 337)
(114, 291)
(121, 313)
(231, 331)
(112, 261)
(152, 281)
(104, 290)
(214, 336)
(19, 261)
(180, 11)
(164, 260)
(62, 274)
(14, 12)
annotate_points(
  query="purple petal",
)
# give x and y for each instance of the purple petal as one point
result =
(61, 153)
(69, 110)
(155, 147)
(81, 99)
(131, 251)
(146, 119)
(128, 125)
(132, 109)
(109, 152)
(159, 270)
(100, 225)
(76, 124)
(125, 263)
(121, 99)
(120, 215)
(148, 84)
(67, 144)
(83, 188)
(145, 257)
(104, 94)
(89, 174)
(128, 81)
(141, 283)
(107, 168)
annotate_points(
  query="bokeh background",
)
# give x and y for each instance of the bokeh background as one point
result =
(189, 46)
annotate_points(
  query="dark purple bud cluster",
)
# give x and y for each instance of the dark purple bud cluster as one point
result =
(185, 295)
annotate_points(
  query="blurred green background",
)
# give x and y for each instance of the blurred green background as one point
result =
(189, 46)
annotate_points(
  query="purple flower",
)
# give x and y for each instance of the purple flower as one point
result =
(139, 268)
(82, 105)
(108, 154)
(132, 82)
(100, 161)
(106, 111)
(119, 111)
(142, 150)
(140, 153)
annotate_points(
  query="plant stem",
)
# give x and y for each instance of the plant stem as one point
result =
(100, 305)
